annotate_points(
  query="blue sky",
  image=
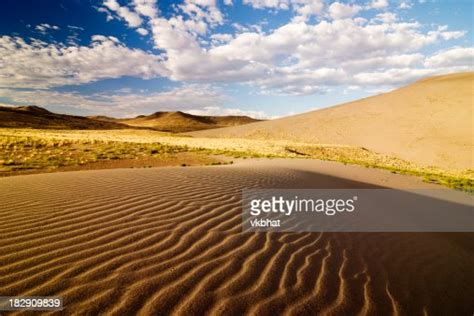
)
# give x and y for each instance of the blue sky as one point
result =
(264, 58)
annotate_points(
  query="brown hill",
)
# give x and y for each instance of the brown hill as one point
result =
(429, 122)
(180, 121)
(103, 118)
(37, 117)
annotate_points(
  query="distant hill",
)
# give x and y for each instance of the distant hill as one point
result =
(38, 117)
(180, 121)
(429, 122)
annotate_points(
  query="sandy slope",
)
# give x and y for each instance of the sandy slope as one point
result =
(430, 122)
(159, 241)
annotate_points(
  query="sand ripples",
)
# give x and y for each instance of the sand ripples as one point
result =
(169, 241)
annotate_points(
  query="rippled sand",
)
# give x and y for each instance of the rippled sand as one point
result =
(168, 240)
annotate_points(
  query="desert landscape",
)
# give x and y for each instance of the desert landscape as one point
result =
(237, 157)
(143, 216)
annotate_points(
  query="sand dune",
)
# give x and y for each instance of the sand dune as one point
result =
(169, 241)
(429, 122)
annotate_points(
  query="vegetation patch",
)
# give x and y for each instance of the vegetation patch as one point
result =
(360, 156)
(24, 149)
(24, 153)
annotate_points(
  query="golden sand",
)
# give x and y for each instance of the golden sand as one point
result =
(429, 123)
(168, 241)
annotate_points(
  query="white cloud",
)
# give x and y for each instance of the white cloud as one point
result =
(217, 110)
(302, 56)
(386, 17)
(297, 57)
(452, 35)
(133, 19)
(274, 4)
(399, 76)
(45, 27)
(457, 56)
(184, 98)
(146, 8)
(74, 27)
(221, 38)
(307, 8)
(406, 4)
(378, 4)
(202, 11)
(109, 16)
(41, 65)
(303, 8)
(339, 10)
(142, 31)
(394, 61)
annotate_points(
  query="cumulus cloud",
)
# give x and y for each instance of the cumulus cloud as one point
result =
(378, 4)
(405, 5)
(132, 18)
(307, 8)
(297, 53)
(221, 38)
(303, 8)
(296, 58)
(457, 56)
(302, 56)
(387, 17)
(37, 64)
(274, 4)
(142, 31)
(338, 10)
(310, 50)
(146, 8)
(202, 11)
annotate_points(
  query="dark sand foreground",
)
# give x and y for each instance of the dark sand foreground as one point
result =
(168, 241)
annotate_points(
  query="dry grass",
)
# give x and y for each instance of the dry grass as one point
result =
(45, 149)
(360, 156)
(35, 152)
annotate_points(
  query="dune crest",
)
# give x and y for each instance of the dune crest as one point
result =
(429, 122)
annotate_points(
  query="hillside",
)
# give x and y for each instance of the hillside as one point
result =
(429, 122)
(180, 121)
(37, 117)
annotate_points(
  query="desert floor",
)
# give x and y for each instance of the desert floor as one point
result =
(168, 241)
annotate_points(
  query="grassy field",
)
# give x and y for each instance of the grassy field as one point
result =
(28, 150)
